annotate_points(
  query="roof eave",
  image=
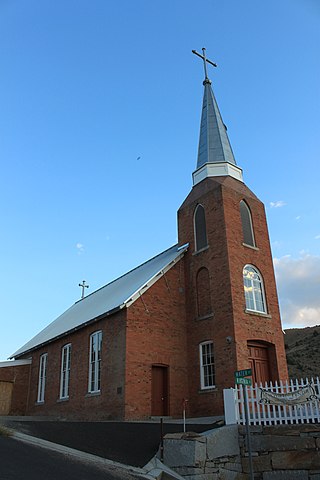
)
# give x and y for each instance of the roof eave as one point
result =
(68, 332)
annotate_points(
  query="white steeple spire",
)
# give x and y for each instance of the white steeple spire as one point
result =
(215, 156)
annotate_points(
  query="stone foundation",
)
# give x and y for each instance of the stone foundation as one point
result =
(286, 452)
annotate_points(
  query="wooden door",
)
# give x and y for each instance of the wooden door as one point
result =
(259, 362)
(160, 389)
(5, 397)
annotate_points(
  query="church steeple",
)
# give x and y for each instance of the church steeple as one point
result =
(215, 156)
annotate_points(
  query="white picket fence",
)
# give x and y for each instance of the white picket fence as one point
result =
(265, 414)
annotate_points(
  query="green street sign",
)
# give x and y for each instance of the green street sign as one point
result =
(243, 373)
(243, 381)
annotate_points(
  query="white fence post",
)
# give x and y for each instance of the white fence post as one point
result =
(230, 410)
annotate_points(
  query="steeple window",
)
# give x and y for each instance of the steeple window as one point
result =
(247, 228)
(254, 290)
(200, 229)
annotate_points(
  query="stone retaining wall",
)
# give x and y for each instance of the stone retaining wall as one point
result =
(286, 452)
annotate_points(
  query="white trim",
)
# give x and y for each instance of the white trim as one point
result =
(15, 363)
(221, 169)
(96, 376)
(202, 383)
(153, 279)
(42, 377)
(65, 368)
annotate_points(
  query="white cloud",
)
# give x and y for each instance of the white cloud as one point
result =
(80, 248)
(317, 237)
(277, 204)
(298, 281)
(298, 217)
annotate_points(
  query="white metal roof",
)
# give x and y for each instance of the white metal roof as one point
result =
(115, 295)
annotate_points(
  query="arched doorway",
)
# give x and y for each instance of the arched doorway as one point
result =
(259, 360)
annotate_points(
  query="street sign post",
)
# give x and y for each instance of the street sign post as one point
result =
(240, 378)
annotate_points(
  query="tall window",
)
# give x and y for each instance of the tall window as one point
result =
(95, 362)
(200, 230)
(65, 371)
(254, 290)
(247, 228)
(42, 377)
(203, 293)
(207, 372)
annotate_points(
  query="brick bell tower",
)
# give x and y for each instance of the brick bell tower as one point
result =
(232, 309)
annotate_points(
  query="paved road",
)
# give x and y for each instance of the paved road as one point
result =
(19, 461)
(124, 442)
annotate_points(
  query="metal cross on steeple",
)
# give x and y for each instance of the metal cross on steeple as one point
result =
(83, 286)
(205, 60)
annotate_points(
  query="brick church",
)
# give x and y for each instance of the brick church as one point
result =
(177, 326)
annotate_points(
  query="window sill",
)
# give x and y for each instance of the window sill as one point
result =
(201, 250)
(257, 314)
(250, 246)
(66, 399)
(207, 390)
(93, 394)
(204, 317)
(40, 403)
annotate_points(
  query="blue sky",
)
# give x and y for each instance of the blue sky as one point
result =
(88, 87)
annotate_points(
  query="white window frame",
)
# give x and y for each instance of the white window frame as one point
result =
(95, 362)
(203, 366)
(42, 377)
(253, 286)
(65, 371)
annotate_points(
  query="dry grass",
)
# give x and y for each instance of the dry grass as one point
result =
(5, 432)
(303, 352)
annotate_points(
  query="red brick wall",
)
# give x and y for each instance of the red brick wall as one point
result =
(19, 376)
(249, 326)
(229, 327)
(81, 405)
(156, 334)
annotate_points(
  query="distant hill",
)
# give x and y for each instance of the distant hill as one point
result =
(303, 351)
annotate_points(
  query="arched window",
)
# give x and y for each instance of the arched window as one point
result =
(200, 230)
(207, 370)
(247, 228)
(254, 290)
(203, 293)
